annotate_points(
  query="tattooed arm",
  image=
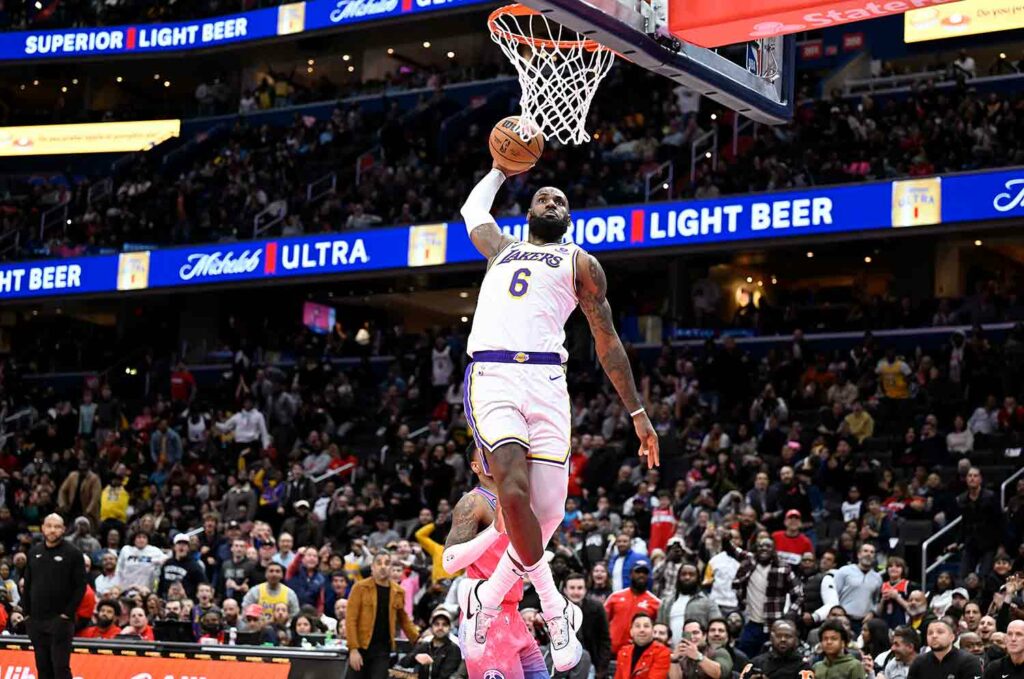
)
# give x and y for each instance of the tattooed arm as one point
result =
(466, 542)
(592, 290)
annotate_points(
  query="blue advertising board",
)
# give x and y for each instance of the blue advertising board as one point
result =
(288, 19)
(823, 212)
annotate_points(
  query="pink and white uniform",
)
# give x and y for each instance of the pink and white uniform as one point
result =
(511, 651)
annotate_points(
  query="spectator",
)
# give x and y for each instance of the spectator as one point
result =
(698, 660)
(643, 656)
(623, 562)
(895, 592)
(182, 568)
(721, 571)
(105, 628)
(903, 652)
(114, 503)
(238, 574)
(719, 638)
(783, 660)
(1012, 664)
(837, 663)
(981, 525)
(689, 603)
(309, 583)
(819, 587)
(435, 656)
(960, 441)
(302, 527)
(964, 64)
(256, 622)
(139, 563)
(107, 579)
(376, 605)
(594, 633)
(165, 445)
(273, 591)
(859, 424)
(624, 604)
(859, 587)
(944, 659)
(250, 429)
(138, 625)
(791, 543)
(763, 585)
(80, 492)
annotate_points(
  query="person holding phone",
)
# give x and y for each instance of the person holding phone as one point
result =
(694, 659)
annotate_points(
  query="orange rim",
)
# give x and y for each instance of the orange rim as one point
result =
(517, 10)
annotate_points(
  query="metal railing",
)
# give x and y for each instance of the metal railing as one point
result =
(269, 217)
(661, 179)
(100, 191)
(10, 242)
(318, 188)
(704, 146)
(56, 215)
(925, 568)
(1006, 484)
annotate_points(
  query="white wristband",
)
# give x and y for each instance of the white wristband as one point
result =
(636, 412)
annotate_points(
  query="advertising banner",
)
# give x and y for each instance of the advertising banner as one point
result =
(830, 211)
(122, 137)
(22, 665)
(968, 17)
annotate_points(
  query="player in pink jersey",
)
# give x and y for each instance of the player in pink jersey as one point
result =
(476, 543)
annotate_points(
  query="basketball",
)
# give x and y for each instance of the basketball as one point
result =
(508, 148)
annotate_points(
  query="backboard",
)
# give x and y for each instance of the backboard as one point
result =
(760, 89)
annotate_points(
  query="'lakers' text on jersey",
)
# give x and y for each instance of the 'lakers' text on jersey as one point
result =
(526, 297)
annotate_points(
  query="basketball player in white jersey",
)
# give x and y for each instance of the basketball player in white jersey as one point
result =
(517, 402)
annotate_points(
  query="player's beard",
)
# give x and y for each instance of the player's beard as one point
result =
(548, 229)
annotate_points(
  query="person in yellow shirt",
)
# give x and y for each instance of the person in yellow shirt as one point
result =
(859, 423)
(435, 550)
(893, 373)
(114, 501)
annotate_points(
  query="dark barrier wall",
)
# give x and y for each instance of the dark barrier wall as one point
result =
(134, 660)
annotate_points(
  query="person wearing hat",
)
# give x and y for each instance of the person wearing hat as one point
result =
(791, 543)
(436, 655)
(256, 621)
(302, 527)
(182, 567)
(623, 605)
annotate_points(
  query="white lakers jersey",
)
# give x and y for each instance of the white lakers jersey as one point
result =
(525, 299)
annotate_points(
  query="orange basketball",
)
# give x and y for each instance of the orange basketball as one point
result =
(509, 148)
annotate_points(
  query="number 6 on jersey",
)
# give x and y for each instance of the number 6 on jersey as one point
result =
(520, 283)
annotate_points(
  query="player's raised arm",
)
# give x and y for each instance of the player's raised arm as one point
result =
(476, 211)
(592, 290)
(466, 542)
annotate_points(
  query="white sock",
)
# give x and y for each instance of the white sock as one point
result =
(494, 589)
(552, 602)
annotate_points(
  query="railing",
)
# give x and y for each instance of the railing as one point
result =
(58, 214)
(662, 179)
(316, 190)
(705, 145)
(925, 568)
(269, 217)
(1006, 484)
(739, 126)
(888, 82)
(10, 241)
(100, 191)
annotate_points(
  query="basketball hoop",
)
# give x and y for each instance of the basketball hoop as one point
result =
(559, 70)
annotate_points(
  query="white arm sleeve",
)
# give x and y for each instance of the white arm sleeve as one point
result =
(829, 598)
(457, 557)
(477, 208)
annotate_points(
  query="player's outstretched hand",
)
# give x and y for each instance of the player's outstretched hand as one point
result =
(648, 439)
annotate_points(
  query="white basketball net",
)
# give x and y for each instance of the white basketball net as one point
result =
(559, 70)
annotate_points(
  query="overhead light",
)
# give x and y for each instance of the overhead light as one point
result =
(22, 87)
(977, 243)
(69, 221)
(665, 186)
(760, 284)
(391, 50)
(774, 280)
(714, 116)
(464, 294)
(39, 5)
(167, 83)
(120, 79)
(451, 55)
(309, 70)
(35, 312)
(311, 62)
(35, 82)
(156, 76)
(345, 57)
(426, 44)
(707, 154)
(810, 255)
(74, 81)
(750, 279)
(867, 259)
(1002, 55)
(351, 69)
(64, 88)
(465, 319)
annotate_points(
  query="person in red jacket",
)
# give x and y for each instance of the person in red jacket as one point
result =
(624, 605)
(85, 608)
(105, 627)
(645, 657)
(138, 625)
